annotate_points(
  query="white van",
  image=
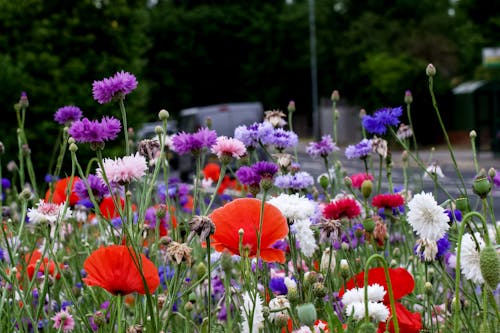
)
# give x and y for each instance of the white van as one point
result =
(224, 118)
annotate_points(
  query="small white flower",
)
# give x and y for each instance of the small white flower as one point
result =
(328, 261)
(279, 302)
(427, 218)
(377, 311)
(469, 257)
(247, 308)
(305, 236)
(294, 206)
(376, 293)
(427, 248)
(47, 212)
(434, 170)
(290, 284)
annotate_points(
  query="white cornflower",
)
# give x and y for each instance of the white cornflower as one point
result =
(305, 236)
(427, 249)
(426, 217)
(247, 308)
(327, 261)
(47, 212)
(469, 257)
(434, 170)
(290, 283)
(293, 206)
(354, 303)
(279, 302)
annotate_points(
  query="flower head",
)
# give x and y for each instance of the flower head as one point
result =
(358, 179)
(87, 131)
(114, 268)
(353, 300)
(297, 181)
(247, 176)
(63, 321)
(225, 146)
(345, 207)
(251, 310)
(390, 200)
(60, 189)
(321, 148)
(47, 212)
(97, 186)
(265, 169)
(252, 134)
(428, 219)
(184, 143)
(229, 220)
(377, 124)
(275, 118)
(360, 150)
(116, 86)
(282, 139)
(469, 257)
(294, 206)
(123, 170)
(67, 114)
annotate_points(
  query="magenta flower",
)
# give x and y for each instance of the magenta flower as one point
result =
(87, 131)
(123, 170)
(117, 86)
(228, 147)
(67, 114)
(63, 321)
(194, 142)
(321, 148)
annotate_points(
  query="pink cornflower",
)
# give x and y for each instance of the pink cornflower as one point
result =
(225, 146)
(123, 170)
(48, 212)
(64, 320)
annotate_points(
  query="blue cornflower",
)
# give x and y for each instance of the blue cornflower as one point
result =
(360, 150)
(321, 148)
(377, 124)
(277, 286)
(165, 273)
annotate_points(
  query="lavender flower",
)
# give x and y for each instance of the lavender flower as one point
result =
(247, 176)
(321, 148)
(282, 139)
(117, 86)
(297, 181)
(377, 124)
(94, 131)
(359, 150)
(265, 169)
(97, 186)
(251, 135)
(67, 114)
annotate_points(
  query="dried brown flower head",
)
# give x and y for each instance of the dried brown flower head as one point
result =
(330, 230)
(201, 225)
(275, 117)
(179, 252)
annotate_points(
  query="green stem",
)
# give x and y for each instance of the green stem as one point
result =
(209, 296)
(125, 128)
(379, 181)
(474, 153)
(408, 113)
(219, 182)
(290, 125)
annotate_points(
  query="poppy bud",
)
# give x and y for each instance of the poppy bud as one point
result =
(307, 314)
(430, 70)
(366, 188)
(481, 186)
(462, 204)
(291, 106)
(489, 262)
(369, 225)
(335, 96)
(163, 114)
(367, 328)
(408, 97)
(159, 130)
(226, 261)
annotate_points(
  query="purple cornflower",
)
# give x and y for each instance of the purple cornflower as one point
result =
(377, 124)
(67, 114)
(282, 139)
(297, 181)
(252, 134)
(455, 215)
(360, 150)
(117, 86)
(165, 273)
(443, 246)
(321, 148)
(496, 179)
(87, 131)
(247, 176)
(277, 286)
(265, 169)
(5, 183)
(194, 142)
(97, 186)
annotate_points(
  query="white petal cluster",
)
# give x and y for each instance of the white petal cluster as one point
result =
(294, 206)
(427, 218)
(247, 308)
(305, 236)
(354, 303)
(46, 212)
(469, 257)
(279, 302)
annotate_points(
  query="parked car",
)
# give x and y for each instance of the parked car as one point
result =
(224, 118)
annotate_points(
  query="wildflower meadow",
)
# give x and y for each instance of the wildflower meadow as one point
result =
(254, 243)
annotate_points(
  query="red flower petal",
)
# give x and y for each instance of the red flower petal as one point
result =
(60, 188)
(113, 269)
(409, 322)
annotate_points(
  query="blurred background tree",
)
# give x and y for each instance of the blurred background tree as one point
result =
(187, 53)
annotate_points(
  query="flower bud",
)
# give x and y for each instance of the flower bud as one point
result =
(163, 114)
(293, 295)
(71, 140)
(492, 173)
(369, 225)
(489, 262)
(327, 261)
(159, 130)
(362, 113)
(348, 182)
(408, 97)
(430, 70)
(307, 314)
(310, 278)
(462, 204)
(99, 318)
(366, 188)
(428, 288)
(189, 306)
(291, 106)
(201, 270)
(473, 134)
(344, 268)
(319, 290)
(25, 194)
(324, 181)
(481, 186)
(335, 96)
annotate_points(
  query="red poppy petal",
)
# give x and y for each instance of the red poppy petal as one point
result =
(409, 322)
(273, 255)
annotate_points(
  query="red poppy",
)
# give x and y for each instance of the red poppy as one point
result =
(388, 200)
(60, 190)
(321, 326)
(403, 284)
(113, 268)
(244, 214)
(212, 171)
(358, 179)
(32, 260)
(108, 208)
(346, 207)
